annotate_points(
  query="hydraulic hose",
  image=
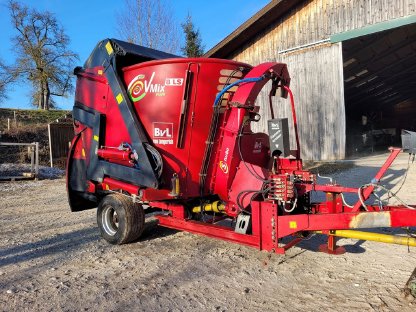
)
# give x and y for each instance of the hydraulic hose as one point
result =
(376, 237)
(219, 95)
(295, 123)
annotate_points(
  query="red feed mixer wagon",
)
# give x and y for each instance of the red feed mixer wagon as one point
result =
(154, 132)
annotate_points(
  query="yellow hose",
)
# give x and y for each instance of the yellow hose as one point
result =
(215, 207)
(390, 239)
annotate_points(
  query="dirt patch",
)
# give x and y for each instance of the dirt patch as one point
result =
(54, 260)
(12, 170)
(328, 167)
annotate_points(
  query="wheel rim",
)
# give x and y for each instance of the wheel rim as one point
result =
(110, 220)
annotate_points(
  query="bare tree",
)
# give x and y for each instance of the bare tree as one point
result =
(42, 54)
(149, 23)
(6, 78)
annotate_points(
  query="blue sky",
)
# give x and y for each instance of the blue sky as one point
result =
(87, 22)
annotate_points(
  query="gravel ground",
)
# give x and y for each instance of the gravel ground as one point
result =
(54, 260)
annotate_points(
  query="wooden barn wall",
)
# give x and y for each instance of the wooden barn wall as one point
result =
(316, 73)
(316, 20)
(319, 100)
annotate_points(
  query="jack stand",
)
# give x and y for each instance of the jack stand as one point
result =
(331, 247)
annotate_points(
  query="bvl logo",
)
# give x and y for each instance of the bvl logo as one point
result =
(162, 130)
(163, 133)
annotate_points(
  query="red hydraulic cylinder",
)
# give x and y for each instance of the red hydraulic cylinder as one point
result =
(115, 154)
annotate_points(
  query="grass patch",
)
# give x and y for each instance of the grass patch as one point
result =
(28, 117)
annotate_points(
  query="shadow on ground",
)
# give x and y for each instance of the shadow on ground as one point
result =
(68, 242)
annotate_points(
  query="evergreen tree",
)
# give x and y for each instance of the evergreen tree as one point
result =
(193, 46)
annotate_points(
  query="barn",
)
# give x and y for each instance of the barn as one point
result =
(353, 69)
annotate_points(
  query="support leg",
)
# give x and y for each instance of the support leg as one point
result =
(331, 247)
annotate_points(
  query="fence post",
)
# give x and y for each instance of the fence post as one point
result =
(8, 124)
(32, 158)
(50, 145)
(37, 160)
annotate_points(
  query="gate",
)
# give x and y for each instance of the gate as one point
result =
(60, 136)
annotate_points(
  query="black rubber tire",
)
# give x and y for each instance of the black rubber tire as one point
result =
(120, 220)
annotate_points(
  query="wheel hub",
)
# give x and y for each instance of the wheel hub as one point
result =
(110, 220)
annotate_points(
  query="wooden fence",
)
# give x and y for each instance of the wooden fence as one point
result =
(33, 150)
(60, 136)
